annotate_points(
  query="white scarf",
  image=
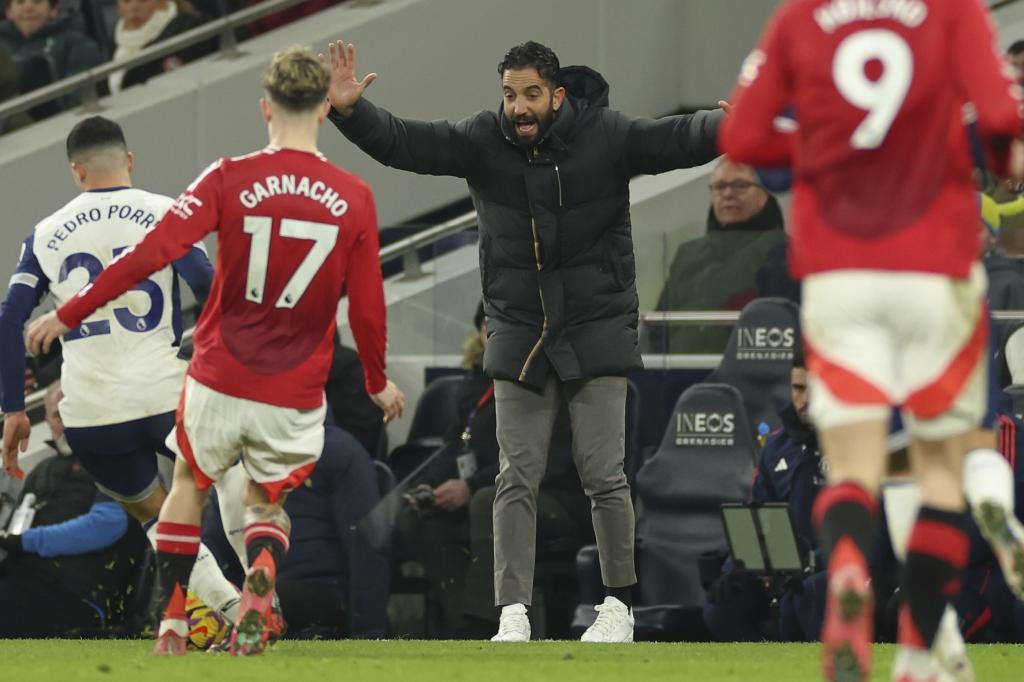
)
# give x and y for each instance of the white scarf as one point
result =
(131, 41)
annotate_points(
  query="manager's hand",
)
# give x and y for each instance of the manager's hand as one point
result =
(344, 89)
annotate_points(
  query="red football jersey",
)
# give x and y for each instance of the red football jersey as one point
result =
(881, 154)
(292, 231)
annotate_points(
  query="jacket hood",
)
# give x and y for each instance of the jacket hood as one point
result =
(770, 218)
(585, 87)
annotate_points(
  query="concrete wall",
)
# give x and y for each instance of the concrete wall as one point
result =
(436, 58)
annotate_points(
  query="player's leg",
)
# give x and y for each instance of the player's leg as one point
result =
(902, 500)
(283, 446)
(944, 374)
(845, 514)
(178, 532)
(989, 488)
(851, 366)
(117, 457)
(267, 529)
(207, 581)
(208, 439)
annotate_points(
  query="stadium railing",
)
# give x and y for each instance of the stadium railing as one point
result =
(86, 82)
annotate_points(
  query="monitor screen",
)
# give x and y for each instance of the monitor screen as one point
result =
(779, 538)
(742, 536)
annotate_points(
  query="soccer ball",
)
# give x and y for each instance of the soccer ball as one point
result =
(206, 627)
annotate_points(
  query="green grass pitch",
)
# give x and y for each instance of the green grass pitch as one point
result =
(411, 661)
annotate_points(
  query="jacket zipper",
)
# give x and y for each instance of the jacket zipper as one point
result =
(544, 328)
(558, 177)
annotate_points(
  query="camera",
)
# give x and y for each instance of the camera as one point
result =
(421, 499)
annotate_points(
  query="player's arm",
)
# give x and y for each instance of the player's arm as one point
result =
(425, 147)
(650, 146)
(985, 78)
(750, 133)
(367, 313)
(197, 271)
(189, 219)
(27, 287)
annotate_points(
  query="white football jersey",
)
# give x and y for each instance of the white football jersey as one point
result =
(122, 363)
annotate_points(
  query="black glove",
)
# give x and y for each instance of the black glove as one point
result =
(725, 587)
(11, 544)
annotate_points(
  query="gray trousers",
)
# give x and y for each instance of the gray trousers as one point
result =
(597, 412)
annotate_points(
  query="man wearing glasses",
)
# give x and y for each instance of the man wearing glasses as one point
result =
(741, 256)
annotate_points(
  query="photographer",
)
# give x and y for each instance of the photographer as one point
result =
(790, 469)
(447, 526)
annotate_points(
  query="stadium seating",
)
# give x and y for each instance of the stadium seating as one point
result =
(759, 356)
(435, 410)
(706, 458)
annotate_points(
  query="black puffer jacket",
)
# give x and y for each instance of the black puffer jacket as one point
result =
(556, 249)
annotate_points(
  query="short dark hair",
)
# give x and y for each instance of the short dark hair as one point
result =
(1016, 48)
(93, 133)
(532, 55)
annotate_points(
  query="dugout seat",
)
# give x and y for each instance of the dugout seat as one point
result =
(759, 356)
(437, 407)
(706, 457)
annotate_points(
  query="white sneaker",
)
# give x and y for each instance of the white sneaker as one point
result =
(950, 651)
(914, 665)
(513, 626)
(614, 623)
(1006, 535)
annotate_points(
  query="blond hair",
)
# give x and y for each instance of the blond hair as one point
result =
(296, 80)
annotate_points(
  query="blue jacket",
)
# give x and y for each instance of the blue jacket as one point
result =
(790, 470)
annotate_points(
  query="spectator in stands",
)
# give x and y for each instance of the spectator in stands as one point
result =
(9, 90)
(73, 568)
(46, 47)
(790, 470)
(741, 256)
(449, 530)
(1016, 56)
(145, 22)
(285, 16)
(1002, 229)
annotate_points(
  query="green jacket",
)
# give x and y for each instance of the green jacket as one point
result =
(62, 43)
(717, 271)
(9, 90)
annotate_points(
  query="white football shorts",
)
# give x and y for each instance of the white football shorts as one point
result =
(876, 339)
(278, 446)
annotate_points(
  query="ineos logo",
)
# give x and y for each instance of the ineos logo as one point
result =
(705, 422)
(764, 338)
(765, 343)
(705, 428)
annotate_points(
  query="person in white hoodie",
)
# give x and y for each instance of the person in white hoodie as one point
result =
(145, 22)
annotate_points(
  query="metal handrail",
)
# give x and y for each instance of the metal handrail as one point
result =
(86, 81)
(726, 318)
